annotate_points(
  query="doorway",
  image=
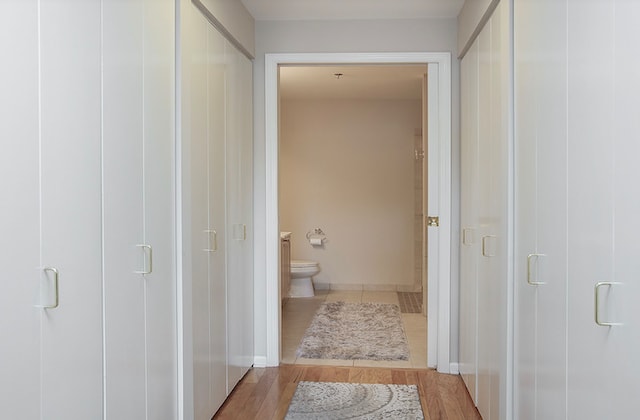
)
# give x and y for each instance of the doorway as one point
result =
(439, 190)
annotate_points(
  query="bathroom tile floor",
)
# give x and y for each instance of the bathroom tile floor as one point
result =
(298, 313)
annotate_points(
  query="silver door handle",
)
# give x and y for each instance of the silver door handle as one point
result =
(530, 257)
(56, 274)
(597, 304)
(147, 264)
(212, 240)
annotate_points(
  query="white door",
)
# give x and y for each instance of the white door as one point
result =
(140, 356)
(469, 248)
(541, 209)
(51, 229)
(239, 215)
(603, 262)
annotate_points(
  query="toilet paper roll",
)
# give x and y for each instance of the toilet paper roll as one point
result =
(315, 241)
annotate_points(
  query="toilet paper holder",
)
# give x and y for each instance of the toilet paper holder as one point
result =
(316, 236)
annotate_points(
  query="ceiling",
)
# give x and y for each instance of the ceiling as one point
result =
(374, 81)
(352, 9)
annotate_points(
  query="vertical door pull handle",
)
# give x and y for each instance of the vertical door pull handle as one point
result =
(212, 241)
(467, 236)
(239, 232)
(485, 248)
(530, 259)
(147, 264)
(597, 304)
(56, 301)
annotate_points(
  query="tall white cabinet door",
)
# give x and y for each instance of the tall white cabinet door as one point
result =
(70, 194)
(139, 291)
(469, 248)
(159, 209)
(123, 211)
(239, 216)
(216, 129)
(541, 209)
(20, 222)
(603, 208)
(207, 125)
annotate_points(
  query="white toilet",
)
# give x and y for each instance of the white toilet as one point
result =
(301, 273)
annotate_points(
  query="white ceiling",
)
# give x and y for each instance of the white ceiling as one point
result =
(352, 9)
(357, 81)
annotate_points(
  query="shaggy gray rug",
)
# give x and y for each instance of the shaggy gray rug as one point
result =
(351, 331)
(332, 400)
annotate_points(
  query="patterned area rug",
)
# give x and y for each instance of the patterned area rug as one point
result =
(352, 331)
(333, 400)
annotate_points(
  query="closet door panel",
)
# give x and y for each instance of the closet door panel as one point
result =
(198, 189)
(591, 205)
(20, 225)
(159, 204)
(625, 370)
(527, 109)
(239, 216)
(71, 207)
(486, 267)
(469, 249)
(541, 208)
(216, 127)
(551, 209)
(123, 164)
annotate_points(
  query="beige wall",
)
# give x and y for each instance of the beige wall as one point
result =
(346, 166)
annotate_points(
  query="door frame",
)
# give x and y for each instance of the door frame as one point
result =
(439, 191)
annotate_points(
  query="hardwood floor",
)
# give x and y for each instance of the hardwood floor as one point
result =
(265, 393)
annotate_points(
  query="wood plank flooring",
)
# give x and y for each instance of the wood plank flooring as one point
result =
(265, 393)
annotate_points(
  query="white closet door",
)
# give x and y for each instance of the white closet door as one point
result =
(237, 195)
(216, 127)
(603, 209)
(71, 207)
(541, 209)
(159, 208)
(20, 222)
(124, 322)
(469, 248)
(198, 190)
(140, 309)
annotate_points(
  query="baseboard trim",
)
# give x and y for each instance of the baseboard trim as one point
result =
(259, 361)
(454, 368)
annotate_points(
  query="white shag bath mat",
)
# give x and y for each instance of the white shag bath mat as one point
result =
(333, 400)
(353, 331)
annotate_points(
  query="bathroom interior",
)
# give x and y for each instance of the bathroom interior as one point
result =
(351, 197)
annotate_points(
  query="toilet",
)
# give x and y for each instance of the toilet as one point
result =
(301, 273)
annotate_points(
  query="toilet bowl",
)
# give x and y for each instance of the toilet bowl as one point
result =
(301, 273)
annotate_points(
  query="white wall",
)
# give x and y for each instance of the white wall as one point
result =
(346, 166)
(417, 35)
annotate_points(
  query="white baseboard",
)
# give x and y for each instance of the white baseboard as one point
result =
(454, 368)
(259, 361)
